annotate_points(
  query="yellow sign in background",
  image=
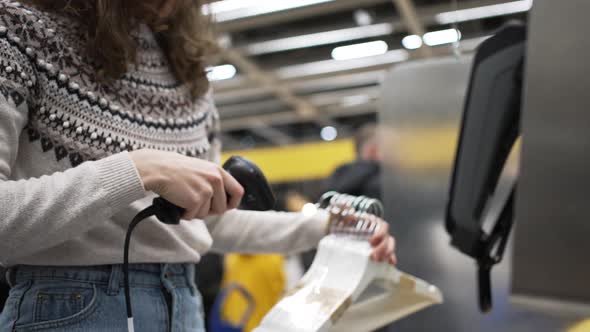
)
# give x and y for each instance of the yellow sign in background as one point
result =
(301, 161)
(423, 149)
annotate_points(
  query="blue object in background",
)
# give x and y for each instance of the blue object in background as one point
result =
(216, 322)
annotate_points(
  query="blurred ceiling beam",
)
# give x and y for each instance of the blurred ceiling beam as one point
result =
(271, 134)
(302, 108)
(302, 87)
(267, 80)
(483, 11)
(246, 102)
(244, 109)
(413, 23)
(329, 67)
(229, 142)
(344, 102)
(247, 122)
(434, 14)
(295, 74)
(301, 76)
(338, 82)
(319, 39)
(246, 93)
(287, 117)
(346, 98)
(323, 8)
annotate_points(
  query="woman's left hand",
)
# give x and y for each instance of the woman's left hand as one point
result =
(383, 244)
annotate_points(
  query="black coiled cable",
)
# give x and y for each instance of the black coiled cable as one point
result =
(167, 213)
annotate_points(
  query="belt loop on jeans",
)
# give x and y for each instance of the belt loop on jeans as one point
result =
(190, 276)
(11, 276)
(115, 279)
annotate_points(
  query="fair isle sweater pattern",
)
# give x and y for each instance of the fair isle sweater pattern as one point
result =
(70, 112)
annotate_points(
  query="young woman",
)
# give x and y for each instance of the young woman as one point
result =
(104, 104)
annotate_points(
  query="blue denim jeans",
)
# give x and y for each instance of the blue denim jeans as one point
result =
(75, 299)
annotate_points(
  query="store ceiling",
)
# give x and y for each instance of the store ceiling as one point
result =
(287, 84)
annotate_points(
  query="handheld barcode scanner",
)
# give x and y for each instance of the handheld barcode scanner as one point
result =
(257, 196)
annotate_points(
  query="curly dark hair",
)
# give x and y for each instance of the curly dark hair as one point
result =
(185, 35)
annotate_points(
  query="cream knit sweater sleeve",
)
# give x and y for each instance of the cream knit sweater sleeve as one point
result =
(39, 213)
(266, 231)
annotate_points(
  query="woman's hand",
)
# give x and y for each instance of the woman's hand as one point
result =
(201, 187)
(383, 244)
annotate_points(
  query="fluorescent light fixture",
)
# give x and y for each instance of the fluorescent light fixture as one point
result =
(441, 37)
(324, 67)
(329, 133)
(222, 72)
(412, 42)
(227, 10)
(362, 50)
(356, 100)
(318, 39)
(224, 6)
(309, 209)
(476, 13)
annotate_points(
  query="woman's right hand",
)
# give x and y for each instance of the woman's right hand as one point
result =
(201, 187)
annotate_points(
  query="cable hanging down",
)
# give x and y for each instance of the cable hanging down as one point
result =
(143, 215)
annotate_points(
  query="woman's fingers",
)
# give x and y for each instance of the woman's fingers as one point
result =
(383, 244)
(206, 206)
(384, 250)
(390, 248)
(200, 187)
(234, 190)
(380, 250)
(219, 199)
(392, 259)
(381, 232)
(194, 210)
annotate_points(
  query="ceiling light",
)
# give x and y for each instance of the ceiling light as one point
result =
(222, 72)
(225, 40)
(362, 17)
(441, 37)
(362, 50)
(412, 42)
(228, 10)
(218, 7)
(476, 13)
(356, 100)
(332, 66)
(319, 38)
(329, 133)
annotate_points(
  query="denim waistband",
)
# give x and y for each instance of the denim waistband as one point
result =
(147, 275)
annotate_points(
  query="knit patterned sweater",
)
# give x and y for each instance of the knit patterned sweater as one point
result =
(68, 188)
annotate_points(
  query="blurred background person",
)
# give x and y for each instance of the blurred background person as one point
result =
(363, 175)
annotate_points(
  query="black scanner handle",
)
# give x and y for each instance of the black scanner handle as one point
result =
(257, 192)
